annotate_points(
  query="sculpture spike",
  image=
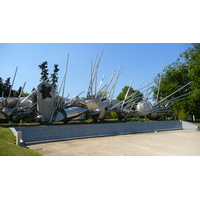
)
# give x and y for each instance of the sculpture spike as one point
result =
(13, 82)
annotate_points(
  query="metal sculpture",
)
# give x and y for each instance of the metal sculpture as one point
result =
(50, 106)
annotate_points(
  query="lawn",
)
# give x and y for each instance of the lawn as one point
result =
(9, 148)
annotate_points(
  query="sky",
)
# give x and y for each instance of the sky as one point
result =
(141, 61)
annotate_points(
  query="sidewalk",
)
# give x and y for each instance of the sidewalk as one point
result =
(165, 143)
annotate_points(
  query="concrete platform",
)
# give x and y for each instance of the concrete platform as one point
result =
(36, 134)
(164, 143)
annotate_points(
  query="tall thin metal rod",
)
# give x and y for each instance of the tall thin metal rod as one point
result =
(97, 71)
(93, 77)
(100, 84)
(95, 87)
(58, 101)
(20, 95)
(139, 89)
(178, 98)
(13, 82)
(108, 85)
(28, 96)
(114, 85)
(90, 86)
(103, 88)
(174, 93)
(135, 100)
(110, 82)
(89, 93)
(62, 82)
(132, 96)
(147, 94)
(65, 75)
(160, 82)
(127, 93)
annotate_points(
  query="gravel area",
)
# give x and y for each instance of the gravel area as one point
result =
(165, 143)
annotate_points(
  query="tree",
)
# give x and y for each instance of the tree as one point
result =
(2, 88)
(179, 73)
(19, 90)
(44, 73)
(7, 87)
(174, 77)
(33, 96)
(138, 96)
(54, 76)
(193, 55)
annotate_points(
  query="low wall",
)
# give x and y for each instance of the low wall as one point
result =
(35, 134)
(18, 135)
(188, 126)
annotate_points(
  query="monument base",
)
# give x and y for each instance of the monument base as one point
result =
(64, 132)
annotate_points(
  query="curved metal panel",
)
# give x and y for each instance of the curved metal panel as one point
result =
(74, 111)
(144, 108)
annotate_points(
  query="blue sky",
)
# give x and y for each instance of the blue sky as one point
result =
(140, 61)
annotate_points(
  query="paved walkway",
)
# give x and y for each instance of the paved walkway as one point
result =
(166, 143)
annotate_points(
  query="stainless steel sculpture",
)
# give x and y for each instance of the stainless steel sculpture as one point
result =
(53, 107)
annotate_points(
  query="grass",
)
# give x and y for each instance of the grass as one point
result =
(131, 120)
(23, 123)
(9, 148)
(198, 124)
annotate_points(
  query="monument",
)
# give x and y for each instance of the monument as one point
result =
(46, 96)
(50, 106)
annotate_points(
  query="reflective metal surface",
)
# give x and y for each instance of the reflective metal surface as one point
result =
(11, 102)
(46, 105)
(144, 108)
(74, 111)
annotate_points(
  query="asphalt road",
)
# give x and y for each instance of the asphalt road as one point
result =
(165, 143)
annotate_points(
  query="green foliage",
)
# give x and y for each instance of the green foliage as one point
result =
(5, 89)
(136, 93)
(55, 76)
(8, 147)
(44, 74)
(181, 114)
(194, 74)
(6, 135)
(103, 92)
(111, 115)
(185, 69)
(122, 94)
(131, 120)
